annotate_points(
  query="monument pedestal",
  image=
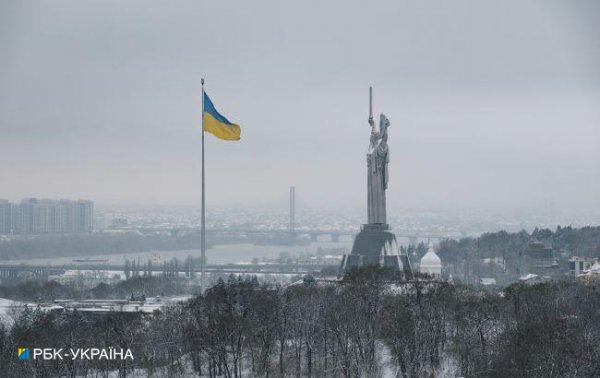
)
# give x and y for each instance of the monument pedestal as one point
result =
(375, 245)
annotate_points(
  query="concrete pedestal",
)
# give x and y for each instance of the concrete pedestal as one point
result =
(376, 245)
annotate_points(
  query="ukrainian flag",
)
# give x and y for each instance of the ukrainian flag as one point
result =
(216, 124)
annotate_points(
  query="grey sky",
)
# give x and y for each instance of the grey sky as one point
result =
(492, 103)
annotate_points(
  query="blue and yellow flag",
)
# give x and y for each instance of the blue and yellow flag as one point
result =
(218, 125)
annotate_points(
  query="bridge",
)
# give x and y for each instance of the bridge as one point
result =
(314, 234)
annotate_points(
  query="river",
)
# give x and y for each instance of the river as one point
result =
(219, 254)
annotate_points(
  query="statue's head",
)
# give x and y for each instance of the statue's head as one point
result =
(384, 123)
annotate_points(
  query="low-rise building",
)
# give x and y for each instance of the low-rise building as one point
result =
(540, 260)
(591, 274)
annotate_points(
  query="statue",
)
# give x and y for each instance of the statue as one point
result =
(377, 175)
(376, 244)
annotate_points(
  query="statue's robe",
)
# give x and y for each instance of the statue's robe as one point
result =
(377, 178)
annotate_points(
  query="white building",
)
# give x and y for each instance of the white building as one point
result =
(431, 263)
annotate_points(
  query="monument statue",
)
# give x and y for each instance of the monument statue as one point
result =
(375, 244)
(377, 177)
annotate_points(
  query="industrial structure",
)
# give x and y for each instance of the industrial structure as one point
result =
(292, 226)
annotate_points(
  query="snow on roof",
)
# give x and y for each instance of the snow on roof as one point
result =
(488, 281)
(595, 268)
(528, 277)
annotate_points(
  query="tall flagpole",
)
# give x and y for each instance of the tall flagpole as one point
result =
(202, 226)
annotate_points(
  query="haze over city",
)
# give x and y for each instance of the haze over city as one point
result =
(492, 104)
(300, 189)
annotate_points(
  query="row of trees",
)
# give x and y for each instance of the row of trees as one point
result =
(170, 268)
(48, 291)
(366, 326)
(505, 252)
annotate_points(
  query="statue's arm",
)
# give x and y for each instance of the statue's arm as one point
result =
(372, 124)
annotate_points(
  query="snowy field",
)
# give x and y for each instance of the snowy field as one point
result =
(7, 308)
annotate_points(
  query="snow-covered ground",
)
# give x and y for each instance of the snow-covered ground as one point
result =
(7, 308)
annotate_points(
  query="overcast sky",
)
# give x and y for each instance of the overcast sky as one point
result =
(492, 103)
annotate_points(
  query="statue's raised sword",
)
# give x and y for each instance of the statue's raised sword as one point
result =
(370, 105)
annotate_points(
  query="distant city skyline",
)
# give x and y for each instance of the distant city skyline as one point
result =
(563, 217)
(456, 222)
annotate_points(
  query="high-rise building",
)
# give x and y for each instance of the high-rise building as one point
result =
(5, 217)
(33, 216)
